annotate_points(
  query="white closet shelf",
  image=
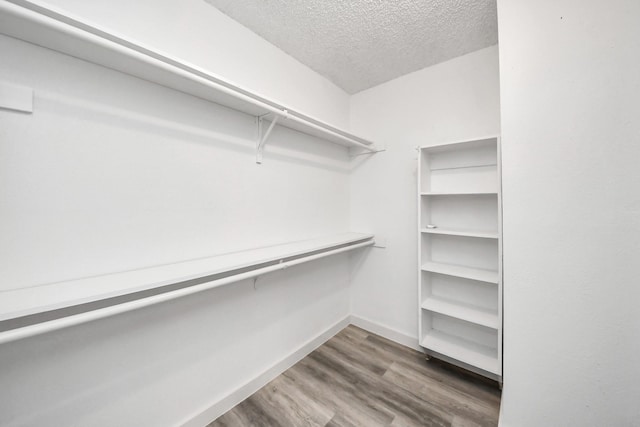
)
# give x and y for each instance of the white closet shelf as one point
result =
(477, 355)
(472, 166)
(463, 233)
(468, 313)
(57, 30)
(479, 274)
(38, 299)
(463, 193)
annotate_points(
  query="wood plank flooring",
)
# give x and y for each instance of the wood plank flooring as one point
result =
(361, 379)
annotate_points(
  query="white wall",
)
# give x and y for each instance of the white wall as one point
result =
(111, 173)
(197, 32)
(570, 79)
(130, 175)
(455, 100)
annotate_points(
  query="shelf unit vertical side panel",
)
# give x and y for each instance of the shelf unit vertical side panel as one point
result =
(500, 256)
(419, 240)
(425, 169)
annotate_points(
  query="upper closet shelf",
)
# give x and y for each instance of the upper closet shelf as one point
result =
(486, 141)
(61, 32)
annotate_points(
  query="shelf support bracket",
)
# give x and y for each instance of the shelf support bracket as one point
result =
(262, 138)
(372, 151)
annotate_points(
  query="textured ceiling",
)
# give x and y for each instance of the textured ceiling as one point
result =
(358, 44)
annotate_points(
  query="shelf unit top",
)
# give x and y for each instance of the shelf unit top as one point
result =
(460, 145)
(465, 351)
(27, 301)
(478, 274)
(57, 30)
(465, 312)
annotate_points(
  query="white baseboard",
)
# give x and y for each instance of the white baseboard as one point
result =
(216, 409)
(386, 332)
(213, 411)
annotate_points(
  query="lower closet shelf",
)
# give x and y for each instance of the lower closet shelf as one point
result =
(479, 274)
(473, 354)
(20, 302)
(465, 312)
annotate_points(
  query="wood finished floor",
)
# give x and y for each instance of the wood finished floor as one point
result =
(361, 379)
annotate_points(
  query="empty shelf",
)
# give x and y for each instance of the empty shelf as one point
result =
(473, 166)
(464, 233)
(27, 301)
(479, 274)
(465, 193)
(477, 355)
(465, 312)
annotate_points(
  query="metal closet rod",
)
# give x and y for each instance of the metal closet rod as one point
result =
(77, 29)
(101, 313)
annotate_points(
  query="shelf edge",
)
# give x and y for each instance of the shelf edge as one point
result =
(492, 324)
(488, 363)
(472, 276)
(449, 232)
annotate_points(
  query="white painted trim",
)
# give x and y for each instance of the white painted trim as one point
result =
(386, 332)
(213, 411)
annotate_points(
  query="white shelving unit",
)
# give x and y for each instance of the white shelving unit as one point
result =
(43, 25)
(460, 254)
